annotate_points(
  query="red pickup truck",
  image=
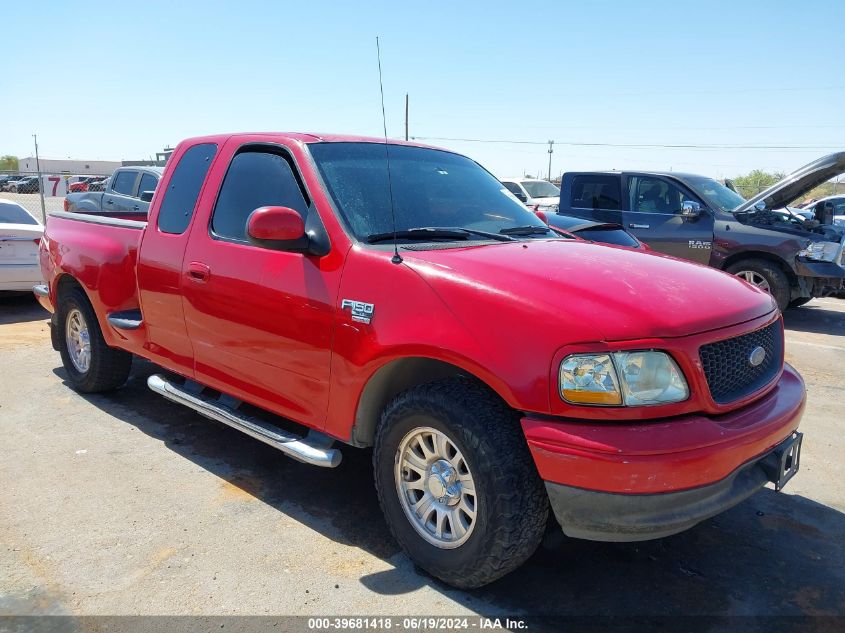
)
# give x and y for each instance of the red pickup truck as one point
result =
(320, 291)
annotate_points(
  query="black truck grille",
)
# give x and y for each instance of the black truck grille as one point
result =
(728, 367)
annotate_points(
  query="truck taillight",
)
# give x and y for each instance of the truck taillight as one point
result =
(542, 216)
(65, 204)
(37, 241)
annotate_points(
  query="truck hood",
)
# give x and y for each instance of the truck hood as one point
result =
(797, 184)
(605, 292)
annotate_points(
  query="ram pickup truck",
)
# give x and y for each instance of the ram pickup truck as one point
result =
(127, 194)
(699, 219)
(322, 293)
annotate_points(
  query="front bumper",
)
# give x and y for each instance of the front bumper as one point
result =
(641, 480)
(820, 278)
(604, 516)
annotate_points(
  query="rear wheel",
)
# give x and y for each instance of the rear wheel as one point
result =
(457, 483)
(765, 275)
(91, 365)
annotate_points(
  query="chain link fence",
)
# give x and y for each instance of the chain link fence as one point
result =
(44, 195)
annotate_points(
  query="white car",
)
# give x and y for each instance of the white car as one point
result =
(20, 234)
(532, 191)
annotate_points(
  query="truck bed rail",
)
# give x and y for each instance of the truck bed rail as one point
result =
(99, 219)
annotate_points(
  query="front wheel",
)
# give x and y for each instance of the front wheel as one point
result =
(767, 276)
(91, 365)
(457, 483)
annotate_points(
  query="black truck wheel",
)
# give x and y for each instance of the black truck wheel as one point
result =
(457, 483)
(91, 365)
(765, 275)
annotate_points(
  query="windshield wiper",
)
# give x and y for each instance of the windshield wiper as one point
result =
(530, 229)
(435, 233)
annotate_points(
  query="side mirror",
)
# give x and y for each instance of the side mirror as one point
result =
(690, 209)
(146, 196)
(275, 224)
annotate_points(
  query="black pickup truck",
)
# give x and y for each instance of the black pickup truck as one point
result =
(697, 218)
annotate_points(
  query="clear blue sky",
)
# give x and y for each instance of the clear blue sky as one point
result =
(120, 80)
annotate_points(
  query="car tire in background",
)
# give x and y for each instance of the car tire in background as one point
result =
(91, 365)
(457, 483)
(767, 276)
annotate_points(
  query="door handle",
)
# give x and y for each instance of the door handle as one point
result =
(136, 208)
(199, 272)
(109, 201)
(638, 226)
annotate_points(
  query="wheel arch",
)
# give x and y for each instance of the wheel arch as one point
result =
(764, 255)
(391, 379)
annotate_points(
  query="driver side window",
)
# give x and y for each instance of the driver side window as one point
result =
(654, 195)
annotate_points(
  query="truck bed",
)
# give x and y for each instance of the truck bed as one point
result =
(101, 252)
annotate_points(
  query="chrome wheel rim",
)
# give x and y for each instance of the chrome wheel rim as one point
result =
(78, 340)
(435, 487)
(755, 279)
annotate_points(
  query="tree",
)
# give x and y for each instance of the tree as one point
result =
(756, 181)
(8, 163)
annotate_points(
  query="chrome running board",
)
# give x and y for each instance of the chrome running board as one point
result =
(314, 448)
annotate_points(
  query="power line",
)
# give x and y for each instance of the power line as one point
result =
(630, 145)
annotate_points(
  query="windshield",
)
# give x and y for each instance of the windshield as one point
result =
(13, 214)
(431, 188)
(541, 189)
(715, 193)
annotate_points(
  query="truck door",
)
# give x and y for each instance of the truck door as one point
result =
(655, 218)
(120, 195)
(596, 197)
(260, 320)
(160, 259)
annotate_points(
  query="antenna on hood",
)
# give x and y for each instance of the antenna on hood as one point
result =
(396, 259)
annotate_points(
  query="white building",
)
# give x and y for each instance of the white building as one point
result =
(61, 166)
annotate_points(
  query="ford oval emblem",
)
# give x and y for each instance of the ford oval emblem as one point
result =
(757, 356)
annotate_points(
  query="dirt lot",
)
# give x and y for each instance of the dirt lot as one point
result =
(128, 504)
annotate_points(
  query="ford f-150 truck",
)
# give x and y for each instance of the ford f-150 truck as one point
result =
(127, 194)
(700, 219)
(321, 293)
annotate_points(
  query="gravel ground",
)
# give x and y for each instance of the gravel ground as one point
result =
(128, 504)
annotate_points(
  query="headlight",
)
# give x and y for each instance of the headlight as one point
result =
(820, 251)
(629, 378)
(589, 379)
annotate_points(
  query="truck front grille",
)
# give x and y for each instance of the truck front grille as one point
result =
(728, 366)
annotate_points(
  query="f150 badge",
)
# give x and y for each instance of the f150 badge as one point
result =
(700, 244)
(361, 312)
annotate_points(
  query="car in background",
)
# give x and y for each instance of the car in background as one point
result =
(6, 179)
(697, 218)
(831, 206)
(20, 235)
(83, 183)
(128, 192)
(98, 184)
(23, 184)
(534, 192)
(28, 184)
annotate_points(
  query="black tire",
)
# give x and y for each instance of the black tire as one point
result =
(108, 368)
(797, 303)
(772, 273)
(511, 502)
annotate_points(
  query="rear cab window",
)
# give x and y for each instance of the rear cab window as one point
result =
(124, 182)
(177, 205)
(149, 182)
(595, 191)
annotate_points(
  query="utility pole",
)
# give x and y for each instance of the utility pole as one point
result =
(40, 182)
(551, 151)
(406, 116)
